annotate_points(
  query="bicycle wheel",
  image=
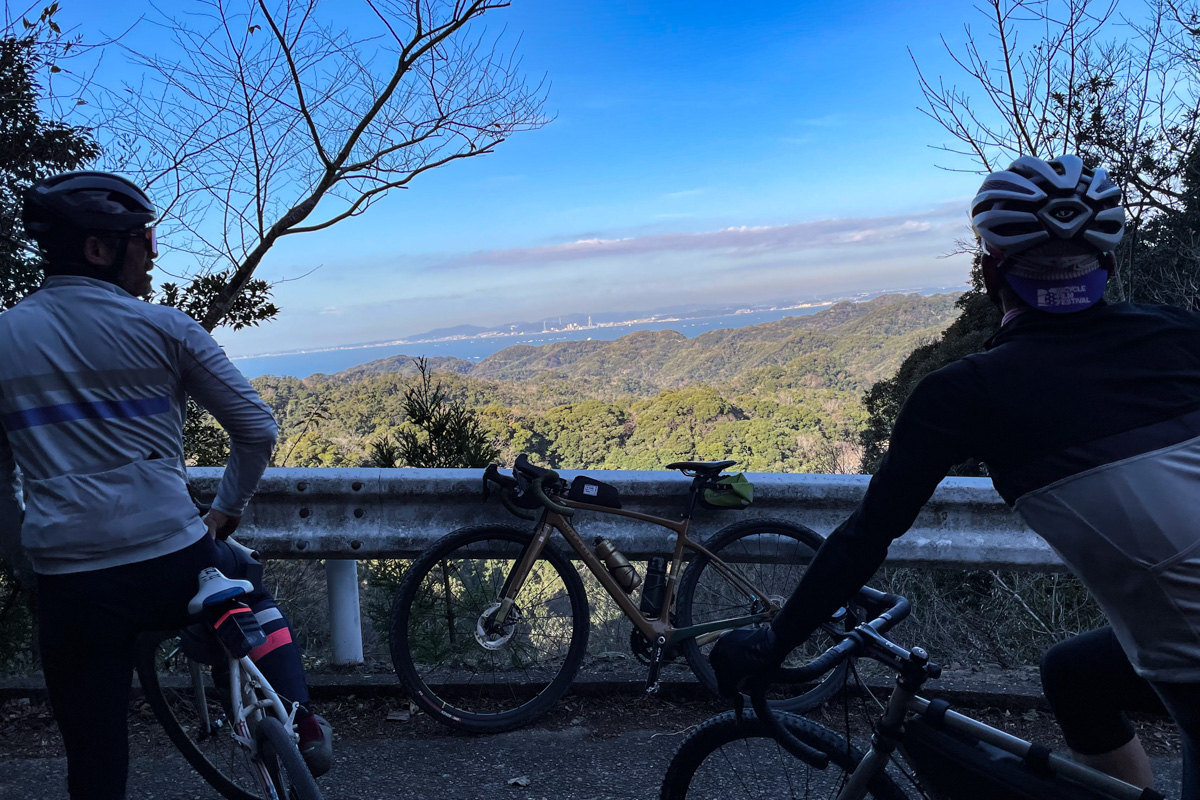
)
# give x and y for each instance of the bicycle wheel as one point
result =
(772, 555)
(284, 763)
(189, 707)
(460, 673)
(726, 759)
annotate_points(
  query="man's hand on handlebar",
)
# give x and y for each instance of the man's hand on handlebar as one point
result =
(744, 653)
(220, 525)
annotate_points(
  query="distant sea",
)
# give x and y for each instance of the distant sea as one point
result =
(301, 365)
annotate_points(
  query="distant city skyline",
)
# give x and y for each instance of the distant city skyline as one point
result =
(700, 152)
(615, 319)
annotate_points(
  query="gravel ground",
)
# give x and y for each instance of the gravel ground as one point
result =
(586, 748)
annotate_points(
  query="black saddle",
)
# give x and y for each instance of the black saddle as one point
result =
(701, 469)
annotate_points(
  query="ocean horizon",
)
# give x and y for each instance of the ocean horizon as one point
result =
(477, 348)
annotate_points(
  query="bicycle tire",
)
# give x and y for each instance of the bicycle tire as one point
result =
(743, 760)
(436, 648)
(168, 686)
(284, 763)
(705, 595)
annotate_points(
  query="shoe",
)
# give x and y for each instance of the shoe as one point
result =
(316, 744)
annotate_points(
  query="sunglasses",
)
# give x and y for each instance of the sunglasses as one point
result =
(149, 235)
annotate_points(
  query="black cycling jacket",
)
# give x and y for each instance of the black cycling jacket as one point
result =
(1089, 424)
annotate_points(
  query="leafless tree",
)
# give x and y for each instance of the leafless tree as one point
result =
(1070, 76)
(268, 120)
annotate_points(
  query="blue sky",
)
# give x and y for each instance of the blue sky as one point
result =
(700, 152)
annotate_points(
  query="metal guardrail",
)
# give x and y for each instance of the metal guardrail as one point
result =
(347, 515)
(396, 513)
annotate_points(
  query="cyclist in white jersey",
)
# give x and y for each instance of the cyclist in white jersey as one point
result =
(94, 383)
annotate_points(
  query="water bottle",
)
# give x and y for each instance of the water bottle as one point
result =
(618, 565)
(656, 586)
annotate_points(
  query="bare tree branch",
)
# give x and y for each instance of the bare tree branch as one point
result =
(266, 113)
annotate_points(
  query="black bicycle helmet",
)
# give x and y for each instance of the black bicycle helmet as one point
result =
(86, 201)
(1035, 202)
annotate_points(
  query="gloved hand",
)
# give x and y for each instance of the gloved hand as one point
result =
(742, 654)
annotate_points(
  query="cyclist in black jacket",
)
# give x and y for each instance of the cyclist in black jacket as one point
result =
(1087, 415)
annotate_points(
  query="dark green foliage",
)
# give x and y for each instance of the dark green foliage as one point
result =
(16, 623)
(979, 320)
(1160, 259)
(251, 308)
(790, 402)
(443, 431)
(31, 148)
(385, 453)
(205, 443)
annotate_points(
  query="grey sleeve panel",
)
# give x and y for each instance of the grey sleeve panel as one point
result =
(12, 511)
(217, 385)
(1128, 530)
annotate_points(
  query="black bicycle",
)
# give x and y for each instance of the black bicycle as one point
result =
(772, 754)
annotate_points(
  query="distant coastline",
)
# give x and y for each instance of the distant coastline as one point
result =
(475, 344)
(646, 319)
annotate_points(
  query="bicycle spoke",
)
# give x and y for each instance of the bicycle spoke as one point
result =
(472, 664)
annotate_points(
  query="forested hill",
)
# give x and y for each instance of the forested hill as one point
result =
(780, 396)
(867, 340)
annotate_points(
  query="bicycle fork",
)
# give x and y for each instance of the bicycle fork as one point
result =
(913, 674)
(516, 578)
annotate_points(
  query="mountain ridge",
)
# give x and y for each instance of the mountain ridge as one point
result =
(663, 359)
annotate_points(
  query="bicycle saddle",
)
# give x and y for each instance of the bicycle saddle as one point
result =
(701, 468)
(215, 588)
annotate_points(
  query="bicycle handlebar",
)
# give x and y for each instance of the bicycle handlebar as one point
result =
(895, 609)
(524, 484)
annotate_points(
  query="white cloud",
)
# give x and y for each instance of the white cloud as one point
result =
(735, 240)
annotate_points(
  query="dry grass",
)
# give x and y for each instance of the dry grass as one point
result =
(1007, 619)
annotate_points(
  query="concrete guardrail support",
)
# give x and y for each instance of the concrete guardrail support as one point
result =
(345, 618)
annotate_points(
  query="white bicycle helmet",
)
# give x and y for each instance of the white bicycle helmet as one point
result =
(1035, 202)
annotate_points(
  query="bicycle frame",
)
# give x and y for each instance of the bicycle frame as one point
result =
(659, 630)
(251, 698)
(904, 701)
(248, 706)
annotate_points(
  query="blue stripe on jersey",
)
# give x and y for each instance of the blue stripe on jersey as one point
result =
(96, 409)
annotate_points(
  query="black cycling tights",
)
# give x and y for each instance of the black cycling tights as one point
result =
(87, 625)
(1090, 684)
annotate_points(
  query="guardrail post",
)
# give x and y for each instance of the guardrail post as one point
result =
(345, 619)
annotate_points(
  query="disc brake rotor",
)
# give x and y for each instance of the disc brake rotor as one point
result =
(495, 639)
